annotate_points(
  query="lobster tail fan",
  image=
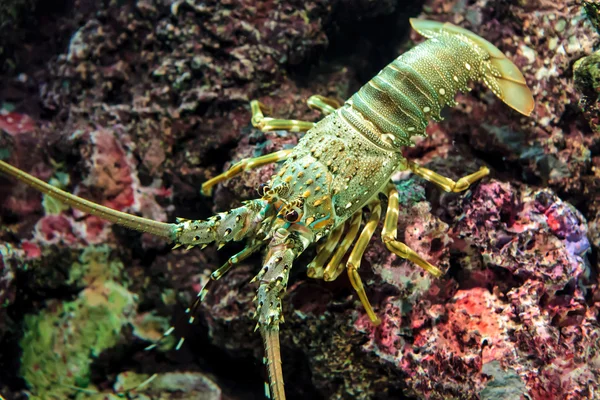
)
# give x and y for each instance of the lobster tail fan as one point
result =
(514, 90)
(511, 84)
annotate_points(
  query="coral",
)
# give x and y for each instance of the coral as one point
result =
(135, 104)
(166, 386)
(61, 341)
(586, 76)
(14, 123)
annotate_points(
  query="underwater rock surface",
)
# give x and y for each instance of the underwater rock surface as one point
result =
(134, 104)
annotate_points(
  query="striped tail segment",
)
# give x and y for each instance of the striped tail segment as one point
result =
(415, 87)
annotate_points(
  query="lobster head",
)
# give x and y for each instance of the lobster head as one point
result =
(301, 193)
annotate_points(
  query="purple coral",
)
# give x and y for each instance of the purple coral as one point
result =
(507, 313)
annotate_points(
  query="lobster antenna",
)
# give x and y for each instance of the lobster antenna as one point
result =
(273, 390)
(134, 222)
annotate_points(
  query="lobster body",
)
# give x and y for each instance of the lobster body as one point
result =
(336, 169)
(341, 165)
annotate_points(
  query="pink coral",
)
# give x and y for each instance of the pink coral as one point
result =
(530, 233)
(520, 297)
(14, 123)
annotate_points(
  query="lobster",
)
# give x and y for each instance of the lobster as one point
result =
(341, 166)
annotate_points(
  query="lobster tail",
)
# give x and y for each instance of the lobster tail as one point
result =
(412, 89)
(503, 77)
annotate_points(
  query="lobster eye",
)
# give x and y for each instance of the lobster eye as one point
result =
(263, 188)
(292, 216)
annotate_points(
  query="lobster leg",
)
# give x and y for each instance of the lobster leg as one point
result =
(448, 184)
(244, 165)
(315, 268)
(266, 124)
(326, 105)
(321, 103)
(353, 263)
(390, 232)
(334, 267)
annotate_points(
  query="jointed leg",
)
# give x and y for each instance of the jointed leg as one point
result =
(273, 124)
(315, 268)
(356, 255)
(389, 235)
(244, 165)
(324, 104)
(334, 268)
(448, 184)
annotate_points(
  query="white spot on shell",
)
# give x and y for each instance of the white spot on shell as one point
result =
(426, 109)
(442, 91)
(468, 66)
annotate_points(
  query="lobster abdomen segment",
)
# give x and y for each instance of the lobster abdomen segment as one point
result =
(415, 87)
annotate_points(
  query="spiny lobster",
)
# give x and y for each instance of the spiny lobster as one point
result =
(341, 165)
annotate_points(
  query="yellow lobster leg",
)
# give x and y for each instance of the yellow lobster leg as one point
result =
(448, 184)
(354, 260)
(326, 105)
(266, 124)
(390, 232)
(334, 268)
(323, 104)
(315, 268)
(244, 165)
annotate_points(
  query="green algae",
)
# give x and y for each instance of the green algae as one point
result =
(592, 10)
(50, 204)
(586, 74)
(61, 341)
(410, 191)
